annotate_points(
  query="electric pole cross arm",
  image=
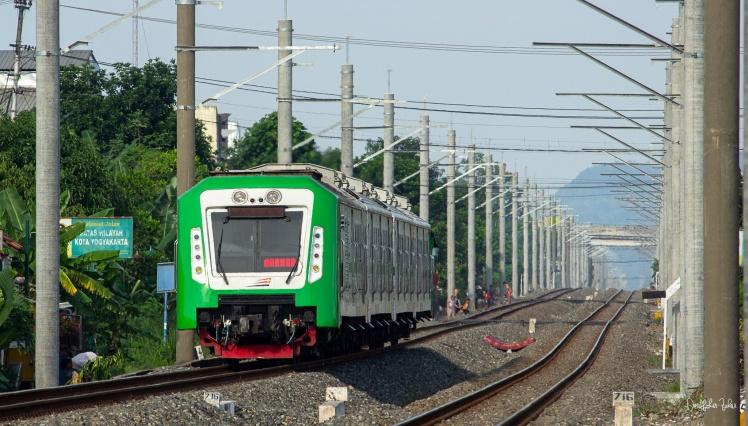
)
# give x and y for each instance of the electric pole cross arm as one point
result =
(631, 26)
(456, 179)
(251, 78)
(479, 188)
(87, 39)
(412, 175)
(327, 129)
(389, 148)
(333, 47)
(492, 199)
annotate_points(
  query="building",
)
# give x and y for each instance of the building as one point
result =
(27, 83)
(221, 132)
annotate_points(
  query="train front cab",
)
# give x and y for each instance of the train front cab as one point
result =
(258, 283)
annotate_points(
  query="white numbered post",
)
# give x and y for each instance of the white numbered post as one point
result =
(532, 325)
(623, 403)
(198, 351)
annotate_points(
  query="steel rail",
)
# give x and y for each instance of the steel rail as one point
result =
(35, 402)
(499, 309)
(456, 406)
(533, 409)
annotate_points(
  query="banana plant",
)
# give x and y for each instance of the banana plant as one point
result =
(14, 309)
(166, 208)
(14, 212)
(7, 295)
(84, 272)
(76, 274)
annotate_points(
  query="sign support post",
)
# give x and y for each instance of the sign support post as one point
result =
(165, 283)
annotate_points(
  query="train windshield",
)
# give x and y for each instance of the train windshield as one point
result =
(256, 243)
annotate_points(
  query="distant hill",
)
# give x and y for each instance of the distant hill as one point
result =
(597, 205)
(629, 268)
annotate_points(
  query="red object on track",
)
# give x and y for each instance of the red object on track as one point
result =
(506, 346)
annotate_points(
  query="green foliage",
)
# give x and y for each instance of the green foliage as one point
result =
(13, 211)
(16, 321)
(146, 349)
(125, 106)
(7, 295)
(260, 142)
(102, 368)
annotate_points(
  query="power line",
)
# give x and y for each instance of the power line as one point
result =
(223, 83)
(448, 47)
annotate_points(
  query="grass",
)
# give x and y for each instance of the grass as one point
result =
(655, 361)
(145, 352)
(673, 387)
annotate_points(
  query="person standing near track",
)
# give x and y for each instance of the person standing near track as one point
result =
(507, 293)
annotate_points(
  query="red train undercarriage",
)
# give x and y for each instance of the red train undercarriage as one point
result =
(259, 351)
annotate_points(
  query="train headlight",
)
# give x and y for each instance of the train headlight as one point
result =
(273, 197)
(239, 197)
(315, 272)
(198, 260)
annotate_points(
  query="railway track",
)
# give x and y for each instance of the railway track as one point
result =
(501, 310)
(34, 402)
(546, 379)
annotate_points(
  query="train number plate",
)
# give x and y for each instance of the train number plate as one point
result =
(623, 398)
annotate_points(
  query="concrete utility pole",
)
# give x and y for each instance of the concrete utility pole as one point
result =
(135, 55)
(745, 215)
(515, 240)
(534, 261)
(389, 137)
(571, 254)
(185, 132)
(676, 165)
(721, 90)
(285, 93)
(580, 263)
(346, 119)
(525, 240)
(577, 280)
(558, 237)
(502, 231)
(691, 376)
(47, 340)
(541, 243)
(451, 214)
(21, 5)
(423, 207)
(549, 248)
(489, 224)
(568, 230)
(471, 227)
(564, 253)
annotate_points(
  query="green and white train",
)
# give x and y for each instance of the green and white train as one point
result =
(284, 259)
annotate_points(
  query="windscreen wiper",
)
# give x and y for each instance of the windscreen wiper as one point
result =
(295, 266)
(218, 256)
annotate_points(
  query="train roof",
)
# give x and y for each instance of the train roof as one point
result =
(334, 178)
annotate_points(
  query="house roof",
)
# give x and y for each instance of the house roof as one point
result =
(27, 97)
(28, 62)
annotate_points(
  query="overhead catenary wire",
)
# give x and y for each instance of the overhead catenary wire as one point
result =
(272, 91)
(445, 47)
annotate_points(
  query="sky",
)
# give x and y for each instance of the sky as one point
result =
(513, 75)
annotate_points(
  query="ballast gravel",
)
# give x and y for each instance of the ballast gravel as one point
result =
(382, 390)
(621, 365)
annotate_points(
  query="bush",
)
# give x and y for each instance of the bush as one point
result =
(102, 368)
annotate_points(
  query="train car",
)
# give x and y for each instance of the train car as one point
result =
(282, 261)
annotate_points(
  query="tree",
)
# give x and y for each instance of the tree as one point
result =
(125, 106)
(260, 145)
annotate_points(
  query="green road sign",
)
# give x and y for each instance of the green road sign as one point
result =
(104, 233)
